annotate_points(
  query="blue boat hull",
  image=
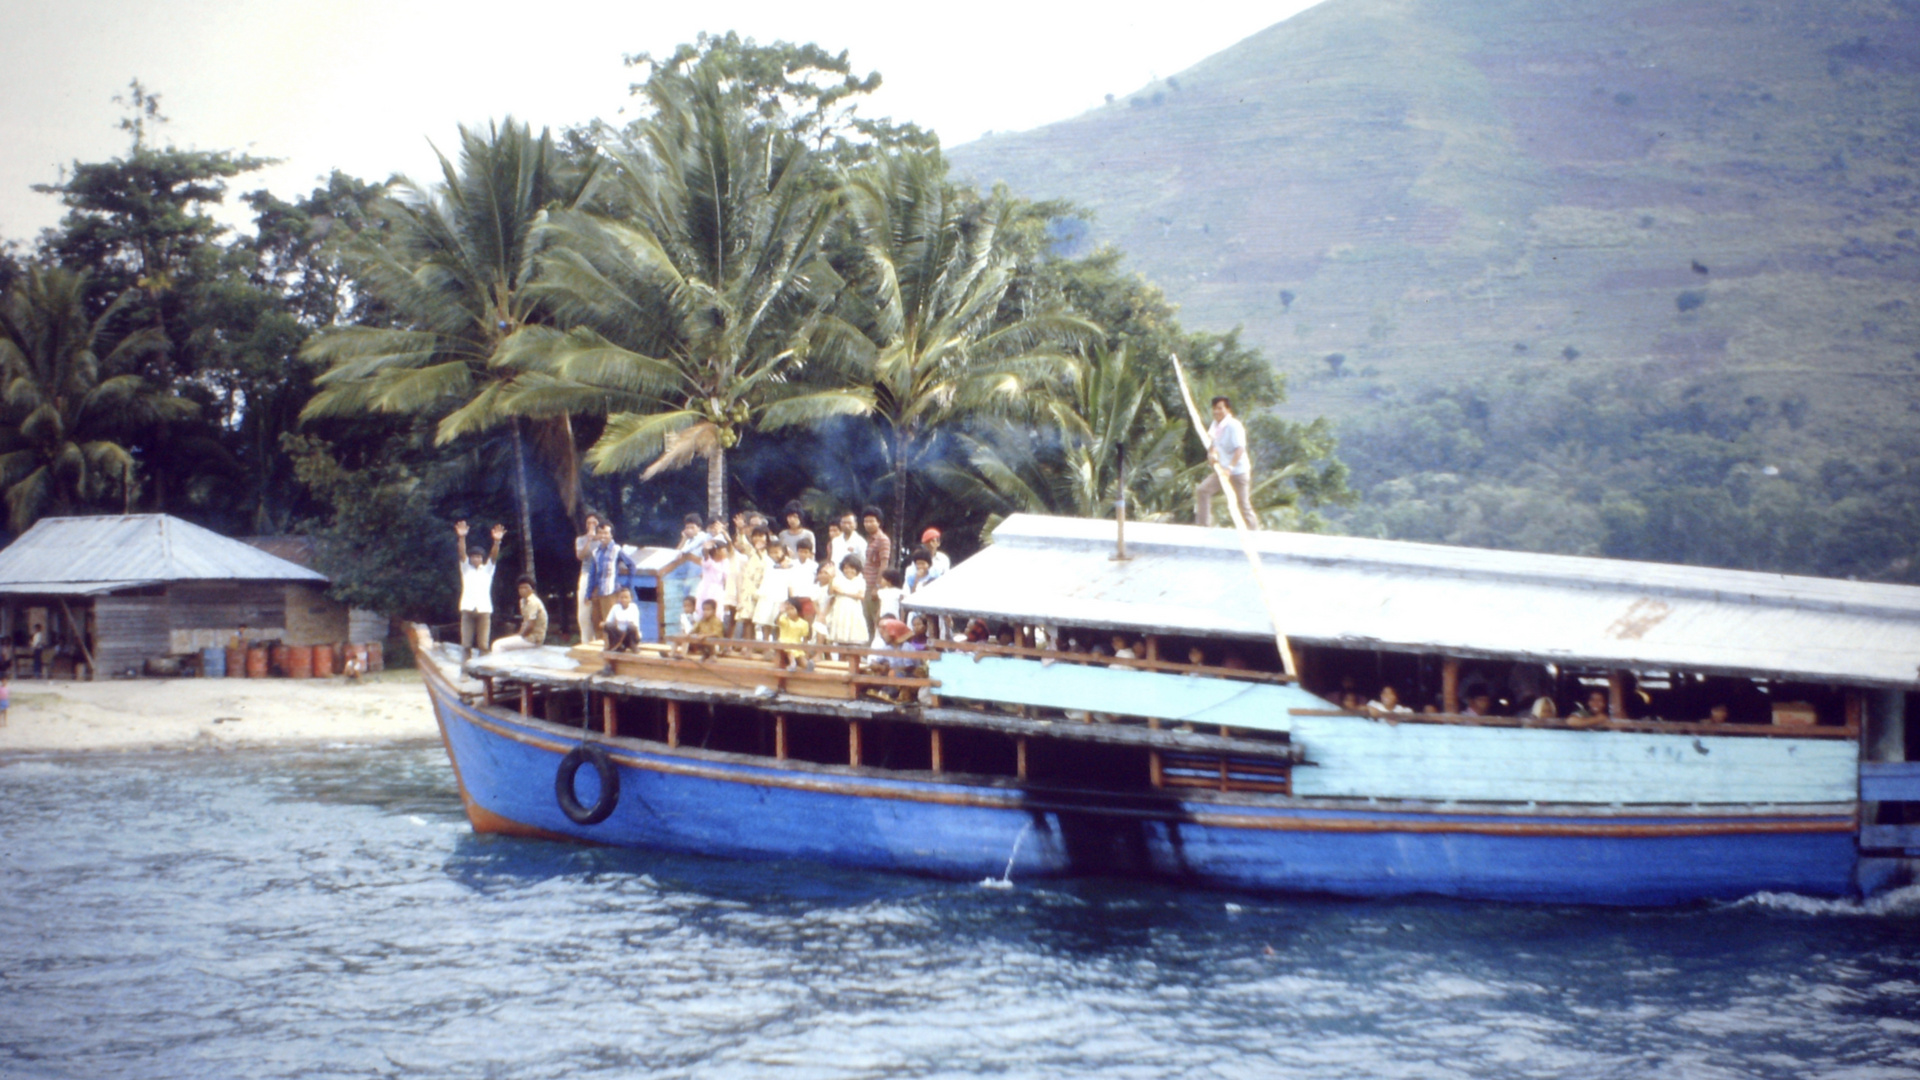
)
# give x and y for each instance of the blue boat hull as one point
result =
(717, 804)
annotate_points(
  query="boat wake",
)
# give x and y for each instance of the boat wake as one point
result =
(1895, 903)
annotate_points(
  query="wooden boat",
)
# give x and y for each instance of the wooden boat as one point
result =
(1007, 758)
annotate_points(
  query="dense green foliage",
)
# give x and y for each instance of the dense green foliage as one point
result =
(1637, 466)
(750, 274)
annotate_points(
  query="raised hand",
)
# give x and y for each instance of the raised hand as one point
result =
(460, 529)
(499, 531)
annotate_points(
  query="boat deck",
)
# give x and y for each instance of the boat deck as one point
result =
(515, 677)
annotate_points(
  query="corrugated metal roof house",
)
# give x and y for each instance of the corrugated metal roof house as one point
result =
(1353, 592)
(119, 591)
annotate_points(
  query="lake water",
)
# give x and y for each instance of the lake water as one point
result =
(328, 913)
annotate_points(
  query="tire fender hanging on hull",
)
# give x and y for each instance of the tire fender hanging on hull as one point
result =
(570, 805)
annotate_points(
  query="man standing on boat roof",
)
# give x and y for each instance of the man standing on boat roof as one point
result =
(476, 590)
(1227, 445)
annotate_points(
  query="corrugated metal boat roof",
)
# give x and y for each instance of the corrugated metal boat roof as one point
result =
(1341, 590)
(91, 555)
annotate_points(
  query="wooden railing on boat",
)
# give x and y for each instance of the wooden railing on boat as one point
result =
(830, 671)
(1656, 727)
(982, 648)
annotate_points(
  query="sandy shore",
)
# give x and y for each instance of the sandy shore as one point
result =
(144, 714)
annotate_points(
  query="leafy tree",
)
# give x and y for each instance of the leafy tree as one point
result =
(801, 89)
(675, 314)
(296, 249)
(62, 450)
(452, 272)
(140, 222)
(1072, 462)
(923, 333)
(382, 546)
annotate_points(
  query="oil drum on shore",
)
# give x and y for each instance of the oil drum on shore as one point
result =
(322, 661)
(299, 661)
(257, 662)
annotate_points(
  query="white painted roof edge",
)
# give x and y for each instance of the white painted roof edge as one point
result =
(1404, 556)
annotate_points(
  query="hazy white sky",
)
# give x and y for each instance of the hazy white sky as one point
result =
(362, 85)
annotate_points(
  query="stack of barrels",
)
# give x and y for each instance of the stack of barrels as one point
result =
(257, 661)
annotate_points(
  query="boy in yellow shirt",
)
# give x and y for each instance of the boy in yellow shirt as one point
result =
(792, 629)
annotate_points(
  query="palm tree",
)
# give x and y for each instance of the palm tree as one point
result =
(922, 329)
(675, 316)
(454, 271)
(60, 452)
(1072, 463)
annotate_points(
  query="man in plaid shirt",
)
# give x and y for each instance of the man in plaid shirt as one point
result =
(879, 557)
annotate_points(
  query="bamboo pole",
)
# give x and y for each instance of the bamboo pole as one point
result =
(609, 719)
(1020, 757)
(80, 636)
(780, 736)
(1450, 686)
(939, 752)
(673, 723)
(853, 743)
(1240, 526)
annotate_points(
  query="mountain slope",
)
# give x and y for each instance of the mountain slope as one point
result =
(1436, 192)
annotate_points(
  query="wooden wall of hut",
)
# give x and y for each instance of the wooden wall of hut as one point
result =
(314, 619)
(224, 605)
(364, 626)
(128, 630)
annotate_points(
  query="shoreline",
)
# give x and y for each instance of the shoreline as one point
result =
(125, 715)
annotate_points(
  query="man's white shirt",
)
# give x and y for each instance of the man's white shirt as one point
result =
(476, 587)
(1229, 438)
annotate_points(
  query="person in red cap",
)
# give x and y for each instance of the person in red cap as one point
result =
(895, 634)
(930, 540)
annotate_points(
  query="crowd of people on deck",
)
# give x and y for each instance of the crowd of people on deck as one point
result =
(764, 581)
(755, 583)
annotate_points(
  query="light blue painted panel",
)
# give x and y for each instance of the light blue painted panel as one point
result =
(1355, 756)
(1197, 698)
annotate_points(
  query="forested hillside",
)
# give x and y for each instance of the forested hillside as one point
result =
(1626, 278)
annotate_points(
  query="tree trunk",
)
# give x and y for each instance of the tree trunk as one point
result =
(717, 484)
(899, 499)
(553, 444)
(520, 497)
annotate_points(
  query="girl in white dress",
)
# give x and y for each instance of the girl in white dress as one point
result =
(846, 617)
(775, 587)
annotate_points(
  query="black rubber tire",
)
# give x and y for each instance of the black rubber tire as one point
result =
(609, 785)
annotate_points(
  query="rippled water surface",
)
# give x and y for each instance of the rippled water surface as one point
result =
(330, 914)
